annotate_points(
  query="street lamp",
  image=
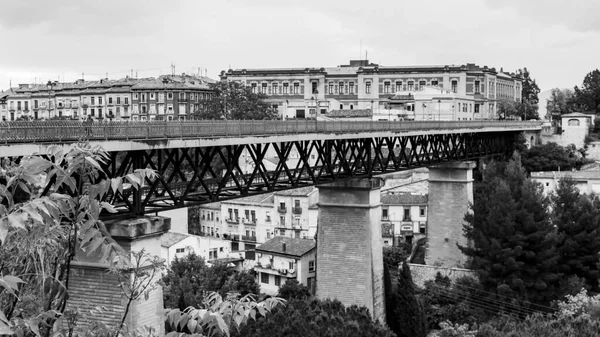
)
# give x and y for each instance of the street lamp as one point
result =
(315, 98)
(49, 86)
(439, 110)
(165, 81)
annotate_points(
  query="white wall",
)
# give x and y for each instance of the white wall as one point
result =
(179, 219)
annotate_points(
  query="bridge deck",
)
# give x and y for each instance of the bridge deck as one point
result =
(24, 138)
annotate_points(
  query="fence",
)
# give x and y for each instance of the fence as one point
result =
(59, 131)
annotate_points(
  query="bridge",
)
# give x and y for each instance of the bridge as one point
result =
(200, 161)
(206, 161)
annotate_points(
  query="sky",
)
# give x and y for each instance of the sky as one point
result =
(64, 40)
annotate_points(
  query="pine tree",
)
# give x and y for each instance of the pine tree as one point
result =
(409, 311)
(577, 218)
(511, 237)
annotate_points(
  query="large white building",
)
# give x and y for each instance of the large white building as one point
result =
(361, 85)
(405, 215)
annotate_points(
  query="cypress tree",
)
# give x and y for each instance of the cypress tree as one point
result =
(512, 239)
(577, 218)
(409, 311)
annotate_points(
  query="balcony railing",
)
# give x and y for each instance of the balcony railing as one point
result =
(296, 210)
(232, 220)
(281, 209)
(249, 221)
(249, 238)
(407, 218)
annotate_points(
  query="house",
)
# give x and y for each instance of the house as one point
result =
(283, 258)
(293, 217)
(210, 249)
(586, 181)
(403, 217)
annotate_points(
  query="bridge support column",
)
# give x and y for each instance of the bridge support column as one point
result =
(450, 192)
(349, 248)
(91, 285)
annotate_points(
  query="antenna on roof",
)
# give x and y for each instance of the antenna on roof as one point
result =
(172, 69)
(366, 55)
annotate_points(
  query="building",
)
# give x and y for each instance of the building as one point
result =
(293, 212)
(587, 182)
(361, 85)
(403, 217)
(167, 97)
(176, 245)
(283, 258)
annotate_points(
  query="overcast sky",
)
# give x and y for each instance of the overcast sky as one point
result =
(558, 41)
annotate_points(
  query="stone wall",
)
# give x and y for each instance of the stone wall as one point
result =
(421, 273)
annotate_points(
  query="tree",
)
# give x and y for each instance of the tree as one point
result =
(314, 317)
(587, 98)
(234, 100)
(577, 218)
(530, 90)
(511, 238)
(559, 103)
(292, 289)
(394, 255)
(242, 283)
(552, 157)
(409, 313)
(41, 229)
(507, 109)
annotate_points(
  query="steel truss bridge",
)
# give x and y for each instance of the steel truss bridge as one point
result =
(200, 161)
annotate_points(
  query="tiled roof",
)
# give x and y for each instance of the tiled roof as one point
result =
(213, 205)
(577, 175)
(404, 199)
(293, 246)
(578, 114)
(259, 199)
(297, 192)
(169, 239)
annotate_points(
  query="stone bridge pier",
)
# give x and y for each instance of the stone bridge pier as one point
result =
(91, 285)
(349, 246)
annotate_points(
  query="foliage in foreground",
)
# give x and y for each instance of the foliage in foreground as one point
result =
(313, 317)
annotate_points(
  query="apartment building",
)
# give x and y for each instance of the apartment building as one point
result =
(403, 217)
(283, 258)
(167, 97)
(294, 212)
(361, 85)
(587, 182)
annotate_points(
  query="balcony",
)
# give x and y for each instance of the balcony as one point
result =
(249, 221)
(236, 221)
(407, 218)
(281, 209)
(248, 238)
(296, 210)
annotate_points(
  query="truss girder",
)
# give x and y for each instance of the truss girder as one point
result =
(193, 176)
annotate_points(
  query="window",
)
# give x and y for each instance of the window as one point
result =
(341, 88)
(454, 86)
(236, 215)
(422, 211)
(253, 87)
(126, 100)
(179, 250)
(285, 88)
(268, 234)
(151, 95)
(264, 88)
(19, 105)
(110, 100)
(264, 278)
(247, 214)
(282, 231)
(331, 88)
(384, 215)
(275, 88)
(268, 216)
(422, 228)
(411, 85)
(386, 87)
(398, 85)
(311, 266)
(92, 112)
(422, 84)
(476, 87)
(315, 86)
(253, 216)
(476, 108)
(351, 91)
(368, 87)
(170, 95)
(434, 83)
(118, 100)
(406, 214)
(230, 211)
(182, 95)
(278, 280)
(291, 265)
(296, 88)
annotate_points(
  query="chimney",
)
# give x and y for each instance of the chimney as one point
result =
(283, 247)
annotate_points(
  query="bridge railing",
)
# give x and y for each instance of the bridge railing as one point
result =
(51, 131)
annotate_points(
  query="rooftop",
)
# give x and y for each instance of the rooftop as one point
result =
(349, 113)
(404, 199)
(577, 175)
(297, 192)
(169, 239)
(293, 246)
(259, 199)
